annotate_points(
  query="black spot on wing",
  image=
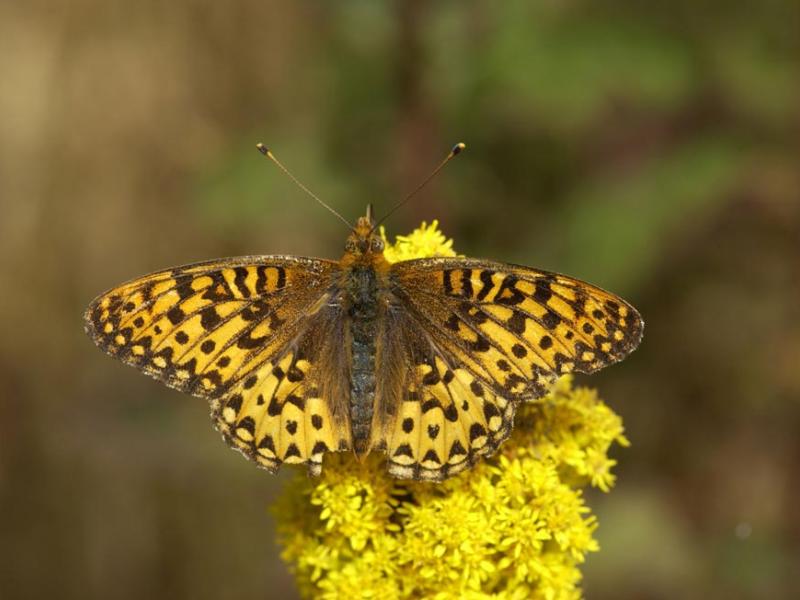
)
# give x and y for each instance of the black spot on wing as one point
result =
(239, 280)
(234, 402)
(457, 449)
(267, 443)
(292, 450)
(447, 281)
(298, 401)
(516, 324)
(274, 408)
(175, 315)
(404, 450)
(248, 424)
(466, 283)
(481, 344)
(294, 374)
(476, 431)
(281, 278)
(431, 456)
(489, 411)
(487, 283)
(247, 342)
(431, 378)
(183, 284)
(452, 322)
(190, 365)
(218, 291)
(261, 280)
(430, 404)
(508, 294)
(209, 318)
(551, 319)
(543, 292)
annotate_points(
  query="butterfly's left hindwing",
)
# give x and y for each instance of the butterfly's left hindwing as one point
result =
(237, 332)
(480, 337)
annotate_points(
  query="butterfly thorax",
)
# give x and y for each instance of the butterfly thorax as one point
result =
(364, 271)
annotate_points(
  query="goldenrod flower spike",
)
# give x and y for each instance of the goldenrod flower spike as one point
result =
(515, 526)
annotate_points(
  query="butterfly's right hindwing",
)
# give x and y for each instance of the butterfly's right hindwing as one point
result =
(293, 407)
(236, 332)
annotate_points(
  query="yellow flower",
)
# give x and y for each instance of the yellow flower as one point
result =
(425, 242)
(513, 527)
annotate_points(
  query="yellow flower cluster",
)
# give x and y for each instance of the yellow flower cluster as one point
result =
(424, 242)
(515, 526)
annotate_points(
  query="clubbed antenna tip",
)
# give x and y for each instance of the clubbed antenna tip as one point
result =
(455, 151)
(266, 152)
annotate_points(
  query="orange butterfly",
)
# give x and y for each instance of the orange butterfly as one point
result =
(423, 359)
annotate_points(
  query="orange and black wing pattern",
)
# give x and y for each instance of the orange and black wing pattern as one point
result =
(244, 333)
(481, 336)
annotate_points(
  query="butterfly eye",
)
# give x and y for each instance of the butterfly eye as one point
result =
(350, 246)
(376, 244)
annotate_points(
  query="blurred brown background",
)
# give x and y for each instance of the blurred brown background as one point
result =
(651, 148)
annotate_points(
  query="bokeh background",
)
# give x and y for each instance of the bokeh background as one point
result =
(649, 147)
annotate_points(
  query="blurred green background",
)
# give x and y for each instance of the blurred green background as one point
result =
(651, 148)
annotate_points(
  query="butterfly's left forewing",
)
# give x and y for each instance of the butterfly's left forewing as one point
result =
(480, 337)
(245, 334)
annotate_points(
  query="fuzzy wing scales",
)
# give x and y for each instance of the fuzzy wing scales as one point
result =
(288, 409)
(445, 420)
(235, 332)
(488, 335)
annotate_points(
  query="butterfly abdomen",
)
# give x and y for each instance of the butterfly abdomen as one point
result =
(363, 312)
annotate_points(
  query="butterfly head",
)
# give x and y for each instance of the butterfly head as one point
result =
(364, 240)
(364, 243)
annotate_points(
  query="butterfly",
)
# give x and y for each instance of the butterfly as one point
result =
(424, 360)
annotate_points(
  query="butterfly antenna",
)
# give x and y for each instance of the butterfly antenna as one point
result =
(455, 151)
(266, 152)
